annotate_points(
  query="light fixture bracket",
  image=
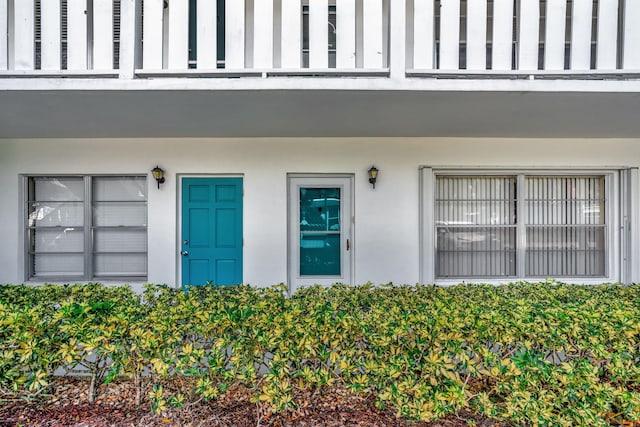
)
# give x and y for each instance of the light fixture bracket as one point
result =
(158, 174)
(373, 175)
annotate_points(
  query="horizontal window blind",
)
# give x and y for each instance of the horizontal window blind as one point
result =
(87, 227)
(56, 226)
(119, 226)
(561, 231)
(565, 226)
(475, 226)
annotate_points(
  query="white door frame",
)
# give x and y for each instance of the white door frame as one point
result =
(346, 183)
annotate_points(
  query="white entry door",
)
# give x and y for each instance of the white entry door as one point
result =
(320, 230)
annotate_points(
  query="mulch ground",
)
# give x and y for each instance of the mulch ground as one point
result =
(116, 407)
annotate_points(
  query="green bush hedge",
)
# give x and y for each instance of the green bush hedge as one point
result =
(536, 353)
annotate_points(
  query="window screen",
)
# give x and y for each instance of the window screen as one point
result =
(565, 226)
(475, 226)
(87, 227)
(480, 233)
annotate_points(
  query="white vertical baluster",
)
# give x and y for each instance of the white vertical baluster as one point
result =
(345, 34)
(581, 34)
(372, 33)
(631, 44)
(263, 34)
(501, 52)
(476, 34)
(607, 45)
(555, 34)
(24, 35)
(102, 35)
(450, 35)
(234, 34)
(152, 37)
(130, 31)
(318, 35)
(423, 34)
(4, 28)
(50, 34)
(178, 35)
(207, 41)
(77, 34)
(529, 34)
(291, 34)
(398, 39)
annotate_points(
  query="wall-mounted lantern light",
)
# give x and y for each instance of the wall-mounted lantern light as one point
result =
(373, 175)
(158, 174)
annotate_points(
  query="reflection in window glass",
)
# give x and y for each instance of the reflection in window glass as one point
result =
(562, 231)
(565, 226)
(72, 236)
(320, 231)
(475, 226)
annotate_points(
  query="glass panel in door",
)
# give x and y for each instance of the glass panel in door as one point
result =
(319, 231)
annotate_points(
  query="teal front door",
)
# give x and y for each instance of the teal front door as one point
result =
(211, 231)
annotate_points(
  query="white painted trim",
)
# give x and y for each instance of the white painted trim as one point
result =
(263, 34)
(178, 46)
(607, 36)
(613, 215)
(103, 35)
(449, 35)
(423, 34)
(397, 38)
(198, 73)
(318, 36)
(291, 34)
(372, 33)
(4, 33)
(24, 268)
(631, 44)
(555, 34)
(152, 37)
(207, 33)
(423, 82)
(24, 35)
(58, 74)
(476, 35)
(577, 75)
(345, 34)
(330, 72)
(130, 37)
(347, 183)
(629, 220)
(77, 34)
(581, 34)
(634, 217)
(23, 260)
(427, 235)
(234, 34)
(501, 53)
(529, 37)
(50, 35)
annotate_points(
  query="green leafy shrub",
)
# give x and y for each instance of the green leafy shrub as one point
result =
(534, 353)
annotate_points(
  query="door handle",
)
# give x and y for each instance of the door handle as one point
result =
(347, 244)
(184, 253)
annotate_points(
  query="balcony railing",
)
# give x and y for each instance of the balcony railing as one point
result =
(129, 37)
(527, 35)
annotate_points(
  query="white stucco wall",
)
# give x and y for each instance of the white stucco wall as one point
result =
(387, 218)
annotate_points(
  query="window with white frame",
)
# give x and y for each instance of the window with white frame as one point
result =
(521, 225)
(86, 227)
